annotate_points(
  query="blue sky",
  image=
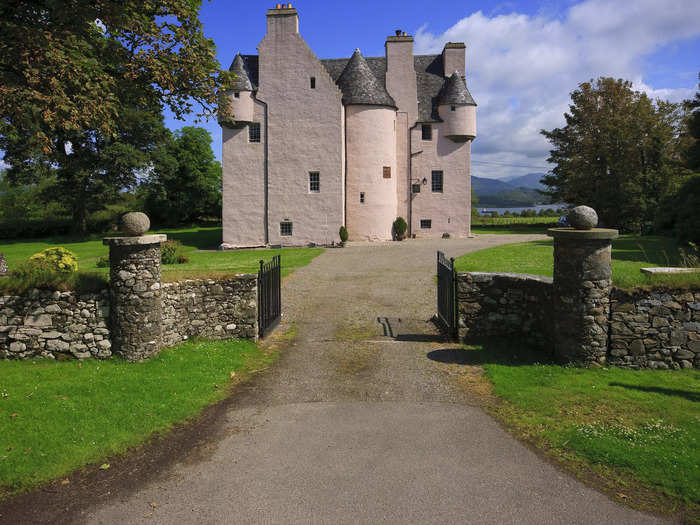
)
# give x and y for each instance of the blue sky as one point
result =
(523, 57)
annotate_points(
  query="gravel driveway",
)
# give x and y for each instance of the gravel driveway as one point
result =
(356, 424)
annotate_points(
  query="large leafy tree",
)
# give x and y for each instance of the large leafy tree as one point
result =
(185, 181)
(83, 84)
(619, 153)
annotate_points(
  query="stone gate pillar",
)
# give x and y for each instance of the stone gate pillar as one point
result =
(135, 286)
(581, 289)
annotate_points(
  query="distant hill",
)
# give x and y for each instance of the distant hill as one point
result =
(516, 192)
(531, 180)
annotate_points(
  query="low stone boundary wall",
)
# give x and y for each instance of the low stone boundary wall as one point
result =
(210, 308)
(490, 304)
(55, 324)
(646, 329)
(657, 329)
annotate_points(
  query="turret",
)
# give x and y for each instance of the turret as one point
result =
(241, 95)
(370, 117)
(457, 109)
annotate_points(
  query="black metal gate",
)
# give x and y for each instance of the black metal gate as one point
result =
(447, 294)
(269, 295)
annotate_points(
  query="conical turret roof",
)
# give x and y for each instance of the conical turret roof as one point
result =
(455, 91)
(242, 81)
(360, 86)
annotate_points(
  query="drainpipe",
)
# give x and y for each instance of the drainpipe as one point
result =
(265, 177)
(410, 172)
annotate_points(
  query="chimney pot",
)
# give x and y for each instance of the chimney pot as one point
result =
(289, 6)
(278, 6)
(398, 32)
(404, 33)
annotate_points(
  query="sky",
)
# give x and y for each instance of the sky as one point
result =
(524, 58)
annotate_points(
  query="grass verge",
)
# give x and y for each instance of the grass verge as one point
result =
(56, 417)
(633, 434)
(629, 254)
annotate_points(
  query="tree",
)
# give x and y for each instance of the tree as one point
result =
(185, 181)
(64, 65)
(82, 88)
(619, 153)
(692, 151)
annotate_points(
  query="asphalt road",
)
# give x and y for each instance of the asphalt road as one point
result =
(357, 425)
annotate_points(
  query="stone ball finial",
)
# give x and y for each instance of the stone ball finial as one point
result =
(134, 223)
(582, 218)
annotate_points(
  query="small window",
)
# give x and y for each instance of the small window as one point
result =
(362, 197)
(236, 95)
(452, 108)
(286, 228)
(314, 182)
(387, 172)
(313, 82)
(426, 224)
(427, 131)
(254, 132)
(436, 183)
(415, 188)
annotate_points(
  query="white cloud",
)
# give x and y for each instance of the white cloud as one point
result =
(521, 69)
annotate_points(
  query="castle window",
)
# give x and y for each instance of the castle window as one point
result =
(452, 108)
(314, 182)
(426, 224)
(254, 132)
(427, 131)
(236, 95)
(313, 82)
(362, 197)
(436, 183)
(286, 228)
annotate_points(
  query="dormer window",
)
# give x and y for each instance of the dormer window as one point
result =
(313, 82)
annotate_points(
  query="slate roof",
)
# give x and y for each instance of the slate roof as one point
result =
(456, 92)
(429, 78)
(246, 69)
(360, 85)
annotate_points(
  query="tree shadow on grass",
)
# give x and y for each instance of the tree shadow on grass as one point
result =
(502, 351)
(201, 239)
(690, 396)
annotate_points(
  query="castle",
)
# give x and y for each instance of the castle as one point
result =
(317, 144)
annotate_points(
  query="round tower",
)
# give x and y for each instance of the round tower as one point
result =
(241, 95)
(457, 109)
(370, 134)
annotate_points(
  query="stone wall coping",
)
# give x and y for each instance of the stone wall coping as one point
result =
(236, 277)
(593, 234)
(135, 241)
(667, 270)
(506, 275)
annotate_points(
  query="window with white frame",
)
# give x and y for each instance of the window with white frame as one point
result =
(286, 228)
(254, 132)
(314, 182)
(436, 182)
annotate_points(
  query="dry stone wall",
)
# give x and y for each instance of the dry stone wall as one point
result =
(496, 304)
(55, 324)
(209, 308)
(658, 329)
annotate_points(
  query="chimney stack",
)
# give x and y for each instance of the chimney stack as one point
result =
(281, 20)
(453, 58)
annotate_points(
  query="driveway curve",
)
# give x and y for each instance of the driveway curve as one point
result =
(356, 425)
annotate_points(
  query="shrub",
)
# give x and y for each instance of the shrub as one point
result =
(399, 228)
(103, 262)
(58, 259)
(171, 253)
(343, 232)
(445, 235)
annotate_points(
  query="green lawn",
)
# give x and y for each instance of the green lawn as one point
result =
(642, 424)
(58, 416)
(201, 263)
(629, 253)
